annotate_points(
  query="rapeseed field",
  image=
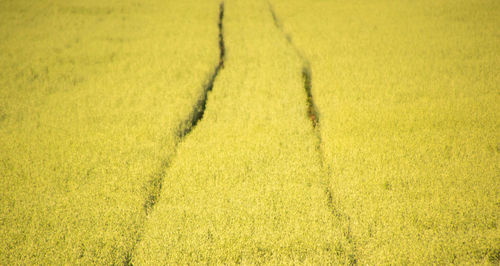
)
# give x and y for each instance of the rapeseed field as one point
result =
(249, 132)
(409, 109)
(91, 96)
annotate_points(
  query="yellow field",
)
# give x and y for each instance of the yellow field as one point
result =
(253, 132)
(91, 97)
(409, 112)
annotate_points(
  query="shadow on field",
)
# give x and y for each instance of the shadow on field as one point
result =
(154, 185)
(313, 114)
(190, 123)
(199, 109)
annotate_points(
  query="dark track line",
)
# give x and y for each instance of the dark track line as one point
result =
(195, 116)
(313, 114)
(199, 108)
(154, 185)
(312, 110)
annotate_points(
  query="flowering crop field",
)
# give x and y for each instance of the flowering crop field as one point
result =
(249, 132)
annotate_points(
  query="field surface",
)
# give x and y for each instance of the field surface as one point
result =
(249, 132)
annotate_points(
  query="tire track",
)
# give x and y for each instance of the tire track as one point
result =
(312, 110)
(154, 185)
(199, 109)
(194, 117)
(314, 116)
